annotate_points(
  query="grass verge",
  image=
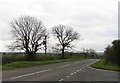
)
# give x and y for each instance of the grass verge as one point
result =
(24, 64)
(102, 65)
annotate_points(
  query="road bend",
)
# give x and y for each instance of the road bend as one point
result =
(65, 71)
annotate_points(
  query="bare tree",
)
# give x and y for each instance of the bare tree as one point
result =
(65, 36)
(85, 52)
(29, 34)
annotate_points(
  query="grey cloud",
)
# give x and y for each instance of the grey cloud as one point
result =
(95, 20)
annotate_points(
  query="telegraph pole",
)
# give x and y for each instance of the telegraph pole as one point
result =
(45, 43)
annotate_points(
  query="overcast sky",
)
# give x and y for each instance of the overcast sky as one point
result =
(95, 20)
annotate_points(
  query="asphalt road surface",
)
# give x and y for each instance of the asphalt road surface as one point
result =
(66, 71)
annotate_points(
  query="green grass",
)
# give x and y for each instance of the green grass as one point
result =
(13, 61)
(0, 68)
(101, 64)
(24, 64)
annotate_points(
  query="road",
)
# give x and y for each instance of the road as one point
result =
(66, 71)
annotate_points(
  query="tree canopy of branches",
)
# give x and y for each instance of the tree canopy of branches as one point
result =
(112, 53)
(65, 36)
(92, 53)
(29, 34)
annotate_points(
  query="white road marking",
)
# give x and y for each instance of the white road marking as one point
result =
(102, 70)
(49, 70)
(67, 76)
(64, 66)
(61, 80)
(78, 70)
(75, 72)
(30, 74)
(92, 63)
(71, 73)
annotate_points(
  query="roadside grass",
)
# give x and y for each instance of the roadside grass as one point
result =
(101, 64)
(0, 68)
(24, 64)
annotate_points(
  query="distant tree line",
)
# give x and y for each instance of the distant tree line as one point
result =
(112, 52)
(89, 53)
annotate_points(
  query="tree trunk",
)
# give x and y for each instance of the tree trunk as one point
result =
(30, 56)
(85, 55)
(63, 53)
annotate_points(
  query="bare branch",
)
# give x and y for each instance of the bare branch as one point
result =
(29, 33)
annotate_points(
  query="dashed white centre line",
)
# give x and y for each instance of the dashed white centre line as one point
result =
(78, 70)
(61, 80)
(30, 74)
(75, 72)
(67, 76)
(71, 73)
